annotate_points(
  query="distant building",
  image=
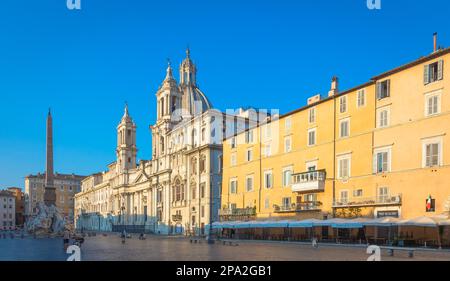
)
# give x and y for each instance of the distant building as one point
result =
(20, 204)
(7, 210)
(66, 187)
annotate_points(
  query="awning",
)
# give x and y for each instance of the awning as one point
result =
(420, 221)
(387, 221)
(222, 225)
(303, 224)
(343, 223)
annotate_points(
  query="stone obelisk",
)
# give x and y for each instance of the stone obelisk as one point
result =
(50, 190)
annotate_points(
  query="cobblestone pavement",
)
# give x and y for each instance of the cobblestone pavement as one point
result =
(110, 248)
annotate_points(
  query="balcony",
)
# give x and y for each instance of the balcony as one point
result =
(237, 214)
(299, 207)
(313, 181)
(391, 200)
(177, 218)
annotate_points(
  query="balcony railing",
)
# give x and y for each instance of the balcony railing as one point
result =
(238, 212)
(309, 181)
(384, 200)
(177, 218)
(299, 207)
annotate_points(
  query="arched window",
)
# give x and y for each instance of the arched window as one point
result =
(178, 191)
(203, 134)
(194, 137)
(202, 163)
(194, 166)
(161, 142)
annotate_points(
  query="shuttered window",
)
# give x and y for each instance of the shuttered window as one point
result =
(433, 72)
(383, 89)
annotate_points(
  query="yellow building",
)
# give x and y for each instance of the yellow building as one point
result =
(375, 150)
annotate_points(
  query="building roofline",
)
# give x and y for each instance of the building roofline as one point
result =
(421, 60)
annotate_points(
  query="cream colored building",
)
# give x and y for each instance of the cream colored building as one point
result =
(7, 210)
(178, 191)
(66, 187)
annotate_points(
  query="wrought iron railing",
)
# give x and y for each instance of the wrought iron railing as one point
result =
(310, 176)
(299, 207)
(369, 201)
(238, 212)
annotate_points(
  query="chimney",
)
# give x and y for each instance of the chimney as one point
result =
(435, 42)
(334, 86)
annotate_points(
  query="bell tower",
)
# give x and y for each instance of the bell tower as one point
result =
(168, 97)
(126, 143)
(188, 71)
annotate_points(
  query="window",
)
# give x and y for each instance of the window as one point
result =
(203, 134)
(267, 203)
(433, 72)
(344, 167)
(249, 183)
(432, 155)
(344, 128)
(288, 124)
(61, 199)
(233, 142)
(202, 190)
(268, 179)
(287, 176)
(193, 191)
(219, 163)
(62, 187)
(382, 160)
(383, 118)
(287, 144)
(202, 163)
(233, 186)
(286, 202)
(194, 166)
(358, 193)
(249, 136)
(361, 99)
(383, 89)
(267, 150)
(344, 196)
(312, 137)
(432, 152)
(343, 104)
(194, 138)
(202, 211)
(268, 130)
(249, 155)
(233, 159)
(383, 194)
(312, 115)
(432, 104)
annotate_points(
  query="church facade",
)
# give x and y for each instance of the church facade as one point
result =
(177, 191)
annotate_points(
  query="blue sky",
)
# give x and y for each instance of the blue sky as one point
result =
(268, 54)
